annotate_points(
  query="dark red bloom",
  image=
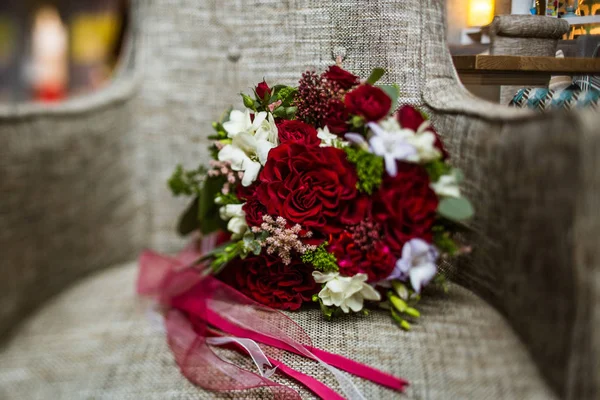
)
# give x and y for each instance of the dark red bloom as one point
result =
(297, 131)
(405, 206)
(410, 118)
(369, 102)
(312, 186)
(377, 262)
(262, 89)
(344, 79)
(253, 208)
(269, 281)
(336, 117)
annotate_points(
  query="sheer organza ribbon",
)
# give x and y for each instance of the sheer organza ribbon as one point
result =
(201, 311)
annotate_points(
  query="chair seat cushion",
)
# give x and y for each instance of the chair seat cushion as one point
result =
(96, 341)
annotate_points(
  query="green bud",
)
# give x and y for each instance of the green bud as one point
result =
(357, 121)
(248, 102)
(398, 303)
(413, 312)
(405, 325)
(400, 289)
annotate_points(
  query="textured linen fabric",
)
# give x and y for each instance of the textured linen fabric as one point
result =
(95, 341)
(66, 201)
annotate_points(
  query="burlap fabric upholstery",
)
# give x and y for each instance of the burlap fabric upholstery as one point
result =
(533, 180)
(95, 342)
(66, 200)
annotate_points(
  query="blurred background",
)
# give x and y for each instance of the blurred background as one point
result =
(51, 50)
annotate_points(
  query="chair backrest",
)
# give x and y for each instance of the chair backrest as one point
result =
(198, 55)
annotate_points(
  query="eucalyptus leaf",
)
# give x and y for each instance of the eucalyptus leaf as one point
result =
(455, 209)
(376, 74)
(458, 175)
(279, 112)
(393, 92)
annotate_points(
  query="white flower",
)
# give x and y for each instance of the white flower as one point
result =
(249, 148)
(329, 139)
(240, 121)
(392, 146)
(446, 186)
(348, 293)
(417, 263)
(424, 141)
(236, 216)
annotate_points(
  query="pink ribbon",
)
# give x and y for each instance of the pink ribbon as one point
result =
(196, 303)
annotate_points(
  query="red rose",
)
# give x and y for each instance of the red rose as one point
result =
(312, 186)
(405, 206)
(410, 118)
(377, 261)
(336, 117)
(269, 281)
(262, 89)
(297, 131)
(344, 79)
(369, 102)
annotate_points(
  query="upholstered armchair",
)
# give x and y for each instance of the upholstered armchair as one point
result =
(83, 189)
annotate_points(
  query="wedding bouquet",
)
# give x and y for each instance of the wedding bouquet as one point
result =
(323, 193)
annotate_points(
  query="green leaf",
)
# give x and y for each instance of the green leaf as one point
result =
(290, 111)
(376, 74)
(455, 209)
(279, 112)
(393, 92)
(458, 175)
(208, 211)
(188, 222)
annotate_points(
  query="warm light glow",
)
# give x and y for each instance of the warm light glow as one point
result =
(481, 12)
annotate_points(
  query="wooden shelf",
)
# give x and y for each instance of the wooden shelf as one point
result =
(517, 70)
(589, 19)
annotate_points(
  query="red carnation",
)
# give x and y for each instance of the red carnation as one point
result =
(336, 117)
(269, 281)
(262, 89)
(377, 262)
(369, 102)
(405, 206)
(344, 79)
(312, 186)
(297, 131)
(410, 118)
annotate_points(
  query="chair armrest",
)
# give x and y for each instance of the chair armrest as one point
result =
(535, 184)
(69, 203)
(526, 35)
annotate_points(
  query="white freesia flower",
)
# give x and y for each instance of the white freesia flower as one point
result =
(329, 139)
(236, 216)
(345, 292)
(447, 186)
(392, 146)
(417, 264)
(250, 146)
(241, 121)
